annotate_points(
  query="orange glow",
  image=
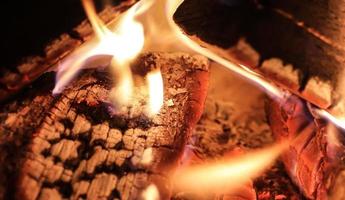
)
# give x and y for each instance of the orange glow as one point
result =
(229, 173)
(150, 193)
(156, 96)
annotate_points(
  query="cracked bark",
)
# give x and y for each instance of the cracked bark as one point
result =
(78, 148)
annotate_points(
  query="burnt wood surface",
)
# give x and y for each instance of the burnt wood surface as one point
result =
(315, 157)
(75, 146)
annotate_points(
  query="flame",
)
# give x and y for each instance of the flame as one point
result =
(122, 42)
(338, 121)
(155, 83)
(150, 193)
(230, 173)
(126, 39)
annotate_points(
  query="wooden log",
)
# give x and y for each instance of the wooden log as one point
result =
(273, 35)
(81, 149)
(314, 159)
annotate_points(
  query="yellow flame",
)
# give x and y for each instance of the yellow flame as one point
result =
(97, 24)
(156, 96)
(230, 173)
(123, 41)
(150, 193)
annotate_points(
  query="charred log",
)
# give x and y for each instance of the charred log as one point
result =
(79, 147)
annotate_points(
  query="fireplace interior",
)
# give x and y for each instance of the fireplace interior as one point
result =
(273, 129)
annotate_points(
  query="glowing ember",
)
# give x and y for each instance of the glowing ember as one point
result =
(150, 193)
(229, 174)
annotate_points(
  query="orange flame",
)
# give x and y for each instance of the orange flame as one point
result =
(230, 173)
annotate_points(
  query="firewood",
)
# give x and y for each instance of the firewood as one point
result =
(80, 148)
(317, 59)
(314, 160)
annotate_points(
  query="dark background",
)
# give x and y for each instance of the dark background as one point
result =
(28, 25)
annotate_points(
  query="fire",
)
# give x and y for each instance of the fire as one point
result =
(121, 42)
(230, 173)
(118, 46)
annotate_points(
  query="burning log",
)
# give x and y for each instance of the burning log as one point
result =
(80, 147)
(314, 160)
